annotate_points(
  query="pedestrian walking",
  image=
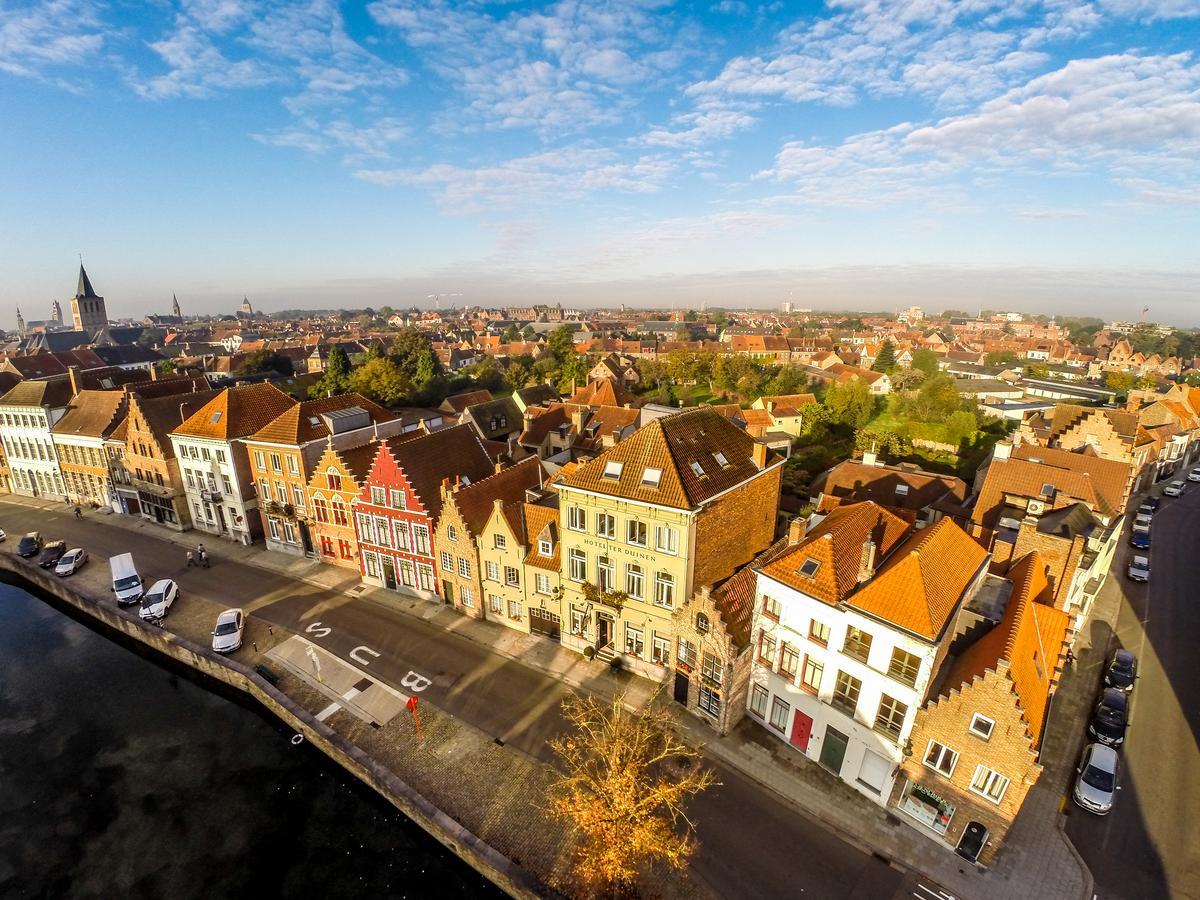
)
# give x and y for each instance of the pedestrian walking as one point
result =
(191, 561)
(78, 513)
(204, 558)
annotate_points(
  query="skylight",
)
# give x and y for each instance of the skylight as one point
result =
(720, 458)
(313, 420)
(697, 469)
(651, 477)
(809, 569)
(216, 417)
(613, 468)
(902, 490)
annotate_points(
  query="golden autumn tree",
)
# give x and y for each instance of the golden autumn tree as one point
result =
(623, 779)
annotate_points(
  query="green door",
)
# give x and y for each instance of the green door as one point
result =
(833, 750)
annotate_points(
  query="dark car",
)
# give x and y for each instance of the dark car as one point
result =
(1139, 539)
(1121, 671)
(51, 553)
(1110, 718)
(30, 545)
(1153, 502)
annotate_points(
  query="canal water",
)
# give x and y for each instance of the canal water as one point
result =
(123, 778)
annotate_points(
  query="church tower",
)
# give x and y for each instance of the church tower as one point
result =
(56, 313)
(20, 323)
(175, 307)
(247, 309)
(87, 307)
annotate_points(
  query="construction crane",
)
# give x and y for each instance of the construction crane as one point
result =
(1145, 309)
(437, 298)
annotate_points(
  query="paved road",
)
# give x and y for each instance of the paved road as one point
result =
(752, 845)
(1148, 846)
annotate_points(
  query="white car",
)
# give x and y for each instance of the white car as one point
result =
(1194, 475)
(1096, 787)
(158, 599)
(1139, 568)
(227, 636)
(1174, 489)
(1143, 520)
(71, 562)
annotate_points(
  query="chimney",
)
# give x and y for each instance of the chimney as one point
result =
(499, 467)
(154, 373)
(796, 530)
(1002, 450)
(866, 562)
(759, 455)
(73, 374)
(577, 419)
(870, 458)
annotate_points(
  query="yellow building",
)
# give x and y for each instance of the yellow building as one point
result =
(684, 502)
(518, 553)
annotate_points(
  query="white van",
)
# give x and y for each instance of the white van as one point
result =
(126, 582)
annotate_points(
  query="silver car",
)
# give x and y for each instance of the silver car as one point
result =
(71, 562)
(1139, 569)
(227, 636)
(1175, 489)
(159, 599)
(1096, 787)
(1194, 475)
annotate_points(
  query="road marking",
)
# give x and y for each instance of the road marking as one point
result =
(415, 681)
(927, 892)
(318, 630)
(336, 705)
(356, 654)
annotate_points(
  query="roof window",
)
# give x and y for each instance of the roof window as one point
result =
(721, 460)
(613, 468)
(216, 417)
(697, 469)
(651, 477)
(902, 490)
(809, 569)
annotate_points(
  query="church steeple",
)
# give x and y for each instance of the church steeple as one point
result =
(20, 323)
(85, 285)
(175, 307)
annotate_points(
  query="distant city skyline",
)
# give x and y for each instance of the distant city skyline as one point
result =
(1040, 156)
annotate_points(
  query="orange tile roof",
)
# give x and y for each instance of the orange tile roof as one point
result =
(236, 412)
(294, 426)
(1025, 478)
(673, 444)
(475, 501)
(602, 392)
(920, 586)
(539, 517)
(426, 460)
(1030, 638)
(734, 597)
(836, 543)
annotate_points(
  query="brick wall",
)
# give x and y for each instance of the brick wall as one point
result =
(462, 548)
(735, 666)
(735, 528)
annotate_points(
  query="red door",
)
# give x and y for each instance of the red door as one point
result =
(801, 730)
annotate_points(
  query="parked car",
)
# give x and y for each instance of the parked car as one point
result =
(1096, 787)
(1145, 510)
(126, 582)
(1143, 520)
(71, 562)
(1139, 569)
(162, 594)
(1122, 671)
(1139, 538)
(1194, 475)
(1152, 503)
(30, 545)
(1110, 718)
(52, 553)
(227, 635)
(1175, 489)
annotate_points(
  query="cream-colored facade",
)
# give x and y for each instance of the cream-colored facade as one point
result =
(518, 565)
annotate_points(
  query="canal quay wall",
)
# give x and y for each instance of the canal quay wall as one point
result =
(484, 858)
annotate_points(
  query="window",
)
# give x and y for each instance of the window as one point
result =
(758, 700)
(578, 621)
(902, 490)
(660, 651)
(514, 610)
(989, 784)
(577, 565)
(273, 527)
(397, 499)
(809, 568)
(464, 567)
(605, 573)
(320, 509)
(721, 460)
(857, 644)
(810, 677)
(890, 718)
(651, 477)
(665, 539)
(702, 623)
(766, 649)
(339, 512)
(789, 662)
(613, 468)
(293, 466)
(904, 667)
(981, 726)
(606, 525)
(333, 479)
(378, 496)
(709, 700)
(366, 528)
(634, 581)
(466, 596)
(687, 652)
(711, 670)
(512, 576)
(697, 469)
(327, 546)
(845, 692)
(499, 541)
(383, 532)
(940, 758)
(289, 532)
(771, 607)
(276, 463)
(264, 489)
(545, 548)
(259, 461)
(447, 562)
(492, 570)
(664, 591)
(541, 583)
(495, 604)
(401, 529)
(371, 564)
(344, 549)
(280, 493)
(818, 632)
(635, 532)
(420, 537)
(634, 644)
(297, 497)
(576, 518)
(452, 533)
(779, 714)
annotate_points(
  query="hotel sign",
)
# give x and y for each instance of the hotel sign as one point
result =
(614, 547)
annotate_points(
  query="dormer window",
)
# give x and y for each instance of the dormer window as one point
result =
(545, 548)
(651, 477)
(902, 490)
(613, 469)
(809, 569)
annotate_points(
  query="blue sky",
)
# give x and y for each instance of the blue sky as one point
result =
(1036, 155)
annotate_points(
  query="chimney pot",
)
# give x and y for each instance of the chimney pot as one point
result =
(796, 529)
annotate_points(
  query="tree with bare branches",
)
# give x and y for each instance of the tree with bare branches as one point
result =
(623, 779)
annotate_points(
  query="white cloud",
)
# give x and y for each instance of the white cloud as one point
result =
(690, 129)
(45, 36)
(356, 142)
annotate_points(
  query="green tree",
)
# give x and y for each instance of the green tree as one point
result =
(1119, 382)
(264, 361)
(375, 351)
(151, 337)
(907, 379)
(574, 371)
(511, 335)
(561, 343)
(414, 357)
(849, 402)
(336, 378)
(517, 375)
(380, 380)
(925, 360)
(886, 360)
(936, 399)
(999, 358)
